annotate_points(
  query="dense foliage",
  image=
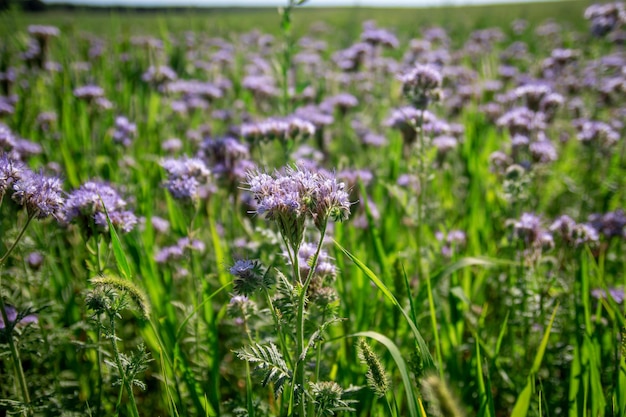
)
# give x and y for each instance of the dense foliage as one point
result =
(332, 215)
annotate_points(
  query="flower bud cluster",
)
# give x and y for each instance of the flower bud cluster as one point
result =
(294, 195)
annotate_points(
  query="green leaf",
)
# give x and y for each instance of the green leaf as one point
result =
(429, 364)
(118, 251)
(523, 401)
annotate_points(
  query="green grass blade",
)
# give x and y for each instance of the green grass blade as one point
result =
(402, 367)
(523, 401)
(118, 250)
(429, 364)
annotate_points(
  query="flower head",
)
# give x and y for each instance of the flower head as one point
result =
(87, 205)
(421, 85)
(41, 195)
(296, 194)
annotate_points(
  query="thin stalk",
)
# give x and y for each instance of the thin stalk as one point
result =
(100, 379)
(17, 363)
(118, 361)
(281, 336)
(19, 237)
(300, 374)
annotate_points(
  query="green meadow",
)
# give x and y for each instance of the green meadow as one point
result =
(313, 211)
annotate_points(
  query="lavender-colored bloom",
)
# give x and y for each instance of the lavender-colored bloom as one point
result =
(324, 269)
(529, 229)
(290, 197)
(6, 108)
(172, 145)
(46, 119)
(585, 234)
(88, 92)
(42, 196)
(160, 224)
(605, 17)
(564, 226)
(34, 260)
(159, 75)
(543, 151)
(592, 131)
(10, 171)
(315, 115)
(177, 251)
(261, 86)
(532, 94)
(250, 276)
(282, 129)
(229, 159)
(41, 31)
(124, 131)
(196, 88)
(376, 36)
(421, 85)
(444, 143)
(522, 120)
(616, 293)
(16, 318)
(343, 102)
(187, 178)
(610, 224)
(86, 206)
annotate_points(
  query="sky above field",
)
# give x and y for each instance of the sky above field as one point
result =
(276, 3)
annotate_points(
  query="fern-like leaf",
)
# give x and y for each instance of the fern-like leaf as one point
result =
(269, 364)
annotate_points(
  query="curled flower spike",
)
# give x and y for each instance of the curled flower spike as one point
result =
(250, 276)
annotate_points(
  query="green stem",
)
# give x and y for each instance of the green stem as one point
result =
(300, 374)
(100, 379)
(6, 255)
(126, 383)
(17, 363)
(281, 335)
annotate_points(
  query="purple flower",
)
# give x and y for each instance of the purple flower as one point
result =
(610, 224)
(250, 276)
(41, 195)
(295, 194)
(86, 206)
(529, 229)
(543, 151)
(616, 293)
(10, 171)
(16, 318)
(159, 75)
(88, 92)
(591, 132)
(124, 131)
(177, 251)
(282, 129)
(41, 31)
(187, 178)
(421, 85)
(376, 36)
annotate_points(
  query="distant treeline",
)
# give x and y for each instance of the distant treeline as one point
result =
(40, 6)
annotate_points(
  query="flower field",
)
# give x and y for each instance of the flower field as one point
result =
(315, 212)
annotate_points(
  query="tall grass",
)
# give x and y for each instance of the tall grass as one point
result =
(394, 311)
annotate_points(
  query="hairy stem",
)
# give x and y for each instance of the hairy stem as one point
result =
(118, 361)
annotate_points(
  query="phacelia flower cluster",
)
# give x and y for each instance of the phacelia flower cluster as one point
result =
(292, 196)
(281, 129)
(187, 178)
(42, 196)
(422, 85)
(86, 207)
